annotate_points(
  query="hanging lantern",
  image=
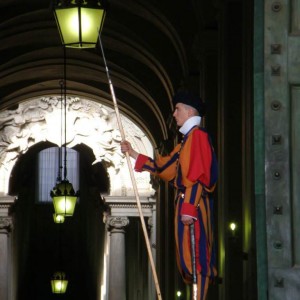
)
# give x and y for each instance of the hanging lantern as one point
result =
(59, 283)
(58, 218)
(64, 198)
(79, 21)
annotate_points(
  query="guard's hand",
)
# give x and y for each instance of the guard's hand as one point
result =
(126, 147)
(187, 220)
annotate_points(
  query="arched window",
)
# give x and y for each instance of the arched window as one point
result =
(49, 165)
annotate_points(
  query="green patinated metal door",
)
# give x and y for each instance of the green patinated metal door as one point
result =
(282, 147)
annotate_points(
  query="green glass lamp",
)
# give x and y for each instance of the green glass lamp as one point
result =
(59, 283)
(79, 21)
(64, 198)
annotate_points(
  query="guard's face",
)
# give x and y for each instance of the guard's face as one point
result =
(181, 113)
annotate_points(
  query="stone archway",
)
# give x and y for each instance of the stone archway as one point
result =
(90, 123)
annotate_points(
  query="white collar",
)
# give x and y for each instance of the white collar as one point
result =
(189, 124)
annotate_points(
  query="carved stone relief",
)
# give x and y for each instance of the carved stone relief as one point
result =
(87, 122)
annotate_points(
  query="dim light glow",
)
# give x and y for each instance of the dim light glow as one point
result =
(233, 226)
(58, 218)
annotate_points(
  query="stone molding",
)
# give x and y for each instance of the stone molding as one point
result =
(127, 206)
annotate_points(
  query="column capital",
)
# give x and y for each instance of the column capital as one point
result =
(116, 222)
(6, 224)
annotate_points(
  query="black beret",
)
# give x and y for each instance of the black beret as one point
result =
(187, 97)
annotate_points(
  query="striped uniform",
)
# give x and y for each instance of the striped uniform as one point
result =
(192, 168)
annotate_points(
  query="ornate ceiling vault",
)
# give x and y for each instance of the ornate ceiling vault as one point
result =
(151, 47)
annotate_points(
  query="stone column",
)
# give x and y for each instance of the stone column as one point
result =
(120, 208)
(117, 276)
(152, 226)
(5, 229)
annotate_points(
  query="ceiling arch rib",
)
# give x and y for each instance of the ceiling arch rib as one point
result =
(136, 51)
(147, 12)
(150, 65)
(128, 87)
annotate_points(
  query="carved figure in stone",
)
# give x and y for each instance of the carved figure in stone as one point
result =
(18, 127)
(88, 122)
